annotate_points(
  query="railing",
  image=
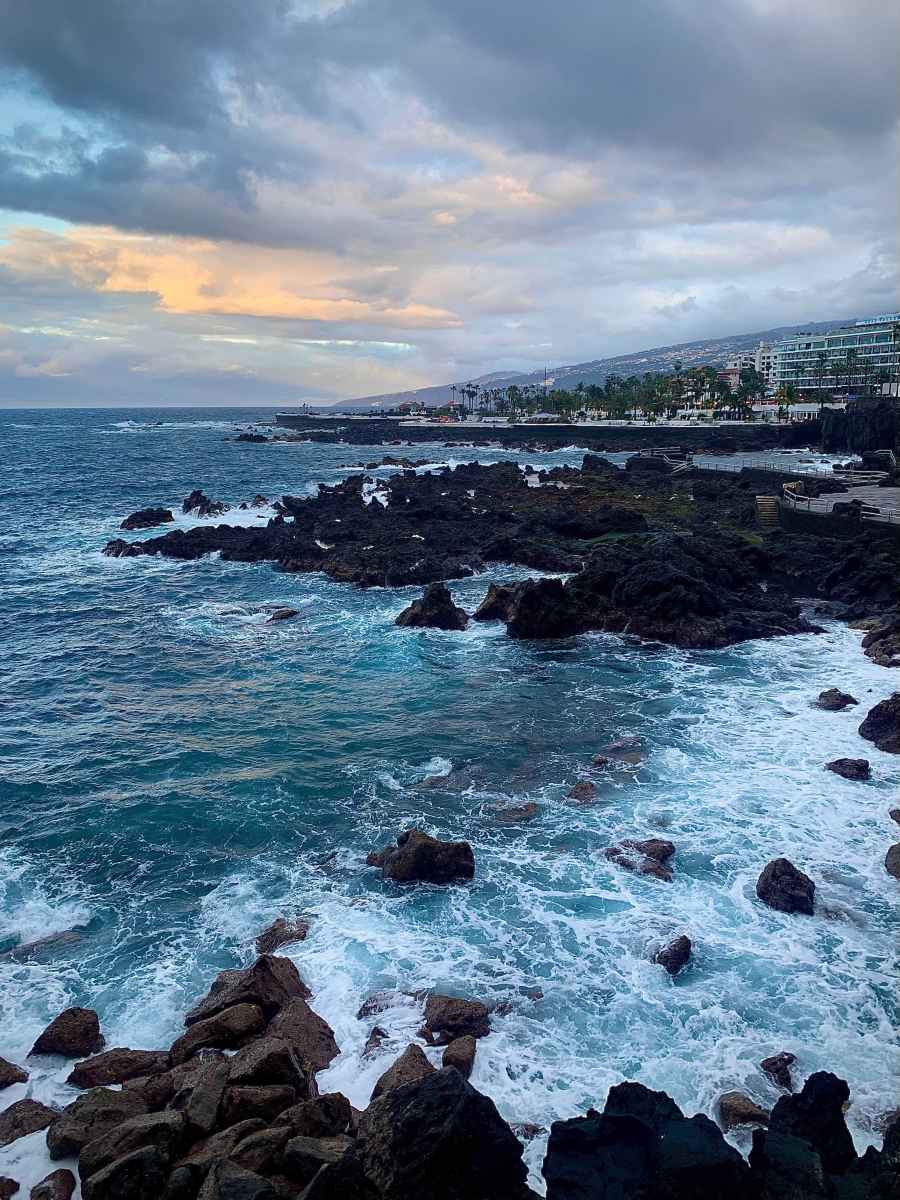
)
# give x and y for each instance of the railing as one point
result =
(866, 512)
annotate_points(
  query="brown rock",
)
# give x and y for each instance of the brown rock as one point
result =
(374, 1040)
(58, 1185)
(324, 1116)
(786, 889)
(200, 1098)
(262, 1152)
(674, 956)
(737, 1109)
(778, 1068)
(261, 1103)
(527, 1130)
(420, 858)
(857, 769)
(10, 1074)
(303, 1156)
(892, 860)
(434, 610)
(380, 1002)
(272, 1060)
(203, 1153)
(226, 1181)
(599, 761)
(269, 983)
(882, 725)
(140, 1175)
(228, 1028)
(460, 1053)
(165, 1131)
(448, 1017)
(8, 1187)
(75, 1033)
(281, 933)
(22, 1118)
(410, 1067)
(118, 1065)
(311, 1037)
(834, 700)
(894, 814)
(513, 814)
(93, 1115)
(45, 948)
(648, 857)
(157, 1090)
(583, 791)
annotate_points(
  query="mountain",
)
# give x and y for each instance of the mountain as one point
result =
(659, 358)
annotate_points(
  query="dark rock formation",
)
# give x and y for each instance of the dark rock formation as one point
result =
(10, 1074)
(498, 602)
(374, 1040)
(269, 983)
(674, 956)
(117, 1065)
(514, 814)
(542, 609)
(882, 644)
(264, 1103)
(226, 1029)
(200, 505)
(865, 425)
(583, 791)
(460, 1053)
(281, 614)
(93, 1115)
(786, 889)
(309, 1035)
(22, 1118)
(255, 438)
(271, 1061)
(419, 858)
(736, 1109)
(164, 1131)
(857, 769)
(410, 1067)
(73, 1034)
(778, 1068)
(435, 610)
(648, 857)
(322, 1116)
(892, 860)
(146, 518)
(882, 725)
(448, 1018)
(58, 1185)
(281, 933)
(834, 700)
(8, 1187)
(816, 1116)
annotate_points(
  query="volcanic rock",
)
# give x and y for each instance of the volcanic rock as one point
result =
(778, 1068)
(58, 1185)
(894, 814)
(24, 1117)
(262, 1152)
(892, 860)
(583, 791)
(10, 1074)
(411, 1066)
(786, 889)
(93, 1115)
(269, 983)
(261, 1103)
(279, 614)
(117, 1065)
(882, 725)
(227, 1181)
(225, 1029)
(281, 933)
(8, 1187)
(146, 518)
(448, 1018)
(460, 1053)
(737, 1109)
(816, 1115)
(200, 505)
(374, 1040)
(541, 609)
(882, 644)
(311, 1037)
(419, 858)
(201, 1097)
(164, 1131)
(323, 1116)
(75, 1033)
(272, 1060)
(197, 1161)
(435, 610)
(834, 700)
(648, 857)
(674, 956)
(857, 769)
(513, 814)
(498, 602)
(304, 1156)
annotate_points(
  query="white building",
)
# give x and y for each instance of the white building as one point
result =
(764, 361)
(860, 358)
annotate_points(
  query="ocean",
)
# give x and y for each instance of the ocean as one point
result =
(175, 773)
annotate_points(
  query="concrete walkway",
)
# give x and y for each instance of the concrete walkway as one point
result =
(885, 498)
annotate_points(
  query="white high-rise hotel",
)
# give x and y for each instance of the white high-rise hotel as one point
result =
(863, 358)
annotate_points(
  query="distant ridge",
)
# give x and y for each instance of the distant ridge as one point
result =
(659, 358)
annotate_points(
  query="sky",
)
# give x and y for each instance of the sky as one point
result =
(275, 201)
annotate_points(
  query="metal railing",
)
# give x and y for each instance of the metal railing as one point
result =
(865, 512)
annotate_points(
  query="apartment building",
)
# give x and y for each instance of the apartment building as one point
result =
(858, 358)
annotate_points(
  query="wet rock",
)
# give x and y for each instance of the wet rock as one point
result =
(648, 857)
(498, 602)
(58, 1185)
(380, 1002)
(736, 1109)
(157, 1090)
(75, 1033)
(193, 1165)
(8, 1187)
(600, 761)
(541, 609)
(674, 956)
(163, 1131)
(892, 860)
(270, 983)
(305, 1156)
(882, 644)
(583, 792)
(280, 614)
(514, 814)
(894, 814)
(442, 1139)
(816, 1116)
(309, 1035)
(787, 1168)
(435, 610)
(226, 1029)
(262, 1152)
(882, 725)
(460, 1053)
(200, 505)
(783, 887)
(44, 949)
(272, 1060)
(527, 1131)
(449, 1017)
(201, 1097)
(93, 1115)
(227, 1181)
(420, 858)
(10, 1074)
(856, 769)
(834, 700)
(118, 1065)
(778, 1068)
(254, 438)
(374, 1040)
(411, 1066)
(281, 933)
(22, 1118)
(147, 518)
(259, 1103)
(323, 1116)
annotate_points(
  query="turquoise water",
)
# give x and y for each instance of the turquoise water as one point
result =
(174, 773)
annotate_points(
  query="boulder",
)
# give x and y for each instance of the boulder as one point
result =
(675, 955)
(892, 860)
(410, 1067)
(460, 1053)
(93, 1115)
(648, 857)
(24, 1117)
(200, 505)
(226, 1029)
(279, 614)
(834, 700)
(75, 1033)
(374, 1040)
(157, 1090)
(856, 769)
(442, 1139)
(498, 602)
(882, 725)
(435, 610)
(787, 1168)
(262, 1152)
(343, 1180)
(583, 792)
(164, 1131)
(783, 887)
(259, 1103)
(448, 1018)
(118, 1065)
(281, 933)
(882, 644)
(227, 1181)
(272, 1060)
(778, 1068)
(323, 1116)
(10, 1074)
(308, 1034)
(196, 1162)
(735, 1109)
(420, 858)
(201, 1097)
(147, 518)
(816, 1116)
(894, 814)
(514, 814)
(542, 609)
(269, 983)
(58, 1185)
(305, 1156)
(8, 1187)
